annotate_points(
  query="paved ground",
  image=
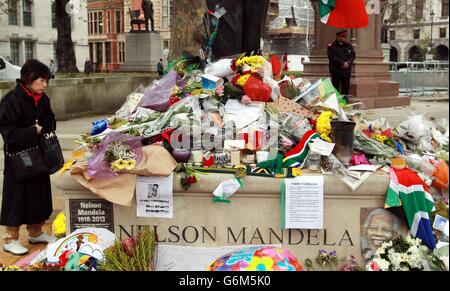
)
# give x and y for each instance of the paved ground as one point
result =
(70, 130)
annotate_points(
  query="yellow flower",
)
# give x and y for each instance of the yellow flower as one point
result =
(252, 61)
(381, 138)
(59, 225)
(118, 165)
(260, 264)
(130, 164)
(242, 80)
(324, 125)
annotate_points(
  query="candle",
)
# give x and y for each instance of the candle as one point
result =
(262, 156)
(235, 158)
(197, 156)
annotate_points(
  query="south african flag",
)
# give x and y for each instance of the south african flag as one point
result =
(344, 13)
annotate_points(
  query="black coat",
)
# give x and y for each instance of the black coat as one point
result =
(26, 202)
(338, 54)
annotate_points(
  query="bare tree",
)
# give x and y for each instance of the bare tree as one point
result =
(186, 27)
(65, 53)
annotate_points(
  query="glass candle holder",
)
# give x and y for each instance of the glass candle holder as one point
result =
(342, 136)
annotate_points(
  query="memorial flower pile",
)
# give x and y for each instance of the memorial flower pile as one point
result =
(401, 254)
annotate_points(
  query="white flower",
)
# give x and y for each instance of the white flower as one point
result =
(404, 257)
(395, 259)
(404, 268)
(382, 264)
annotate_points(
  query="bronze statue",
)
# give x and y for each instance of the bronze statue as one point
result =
(147, 7)
(384, 32)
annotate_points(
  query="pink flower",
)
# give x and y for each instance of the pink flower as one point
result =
(220, 90)
(128, 245)
(246, 100)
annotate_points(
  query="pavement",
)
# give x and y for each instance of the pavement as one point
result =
(68, 131)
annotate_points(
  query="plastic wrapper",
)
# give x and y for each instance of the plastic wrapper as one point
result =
(295, 126)
(221, 68)
(257, 90)
(144, 115)
(318, 91)
(158, 97)
(131, 103)
(98, 168)
(372, 147)
(417, 131)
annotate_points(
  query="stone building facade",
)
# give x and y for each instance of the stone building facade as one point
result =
(28, 30)
(418, 29)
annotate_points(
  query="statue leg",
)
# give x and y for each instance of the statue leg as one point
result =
(146, 24)
(153, 23)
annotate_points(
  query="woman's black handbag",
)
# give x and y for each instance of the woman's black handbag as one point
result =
(51, 152)
(45, 158)
(27, 164)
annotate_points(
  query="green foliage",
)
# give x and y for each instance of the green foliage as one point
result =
(133, 254)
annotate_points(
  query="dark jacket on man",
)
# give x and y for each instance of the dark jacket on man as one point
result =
(338, 54)
(87, 67)
(28, 202)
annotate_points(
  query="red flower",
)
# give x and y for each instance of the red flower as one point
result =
(191, 180)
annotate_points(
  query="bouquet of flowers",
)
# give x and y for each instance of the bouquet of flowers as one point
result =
(115, 153)
(401, 254)
(120, 156)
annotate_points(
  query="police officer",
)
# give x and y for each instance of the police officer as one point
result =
(341, 56)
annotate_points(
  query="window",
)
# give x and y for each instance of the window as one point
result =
(121, 52)
(100, 22)
(118, 21)
(12, 12)
(419, 9)
(444, 8)
(15, 44)
(53, 15)
(392, 35)
(29, 48)
(27, 21)
(108, 52)
(95, 22)
(108, 22)
(165, 14)
(416, 33)
(442, 32)
(394, 12)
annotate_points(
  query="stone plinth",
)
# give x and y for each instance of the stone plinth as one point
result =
(370, 82)
(143, 51)
(253, 217)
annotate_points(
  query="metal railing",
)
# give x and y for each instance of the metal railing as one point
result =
(421, 78)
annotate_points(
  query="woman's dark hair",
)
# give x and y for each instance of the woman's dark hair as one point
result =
(33, 70)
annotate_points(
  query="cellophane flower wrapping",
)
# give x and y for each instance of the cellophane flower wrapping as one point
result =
(158, 97)
(98, 168)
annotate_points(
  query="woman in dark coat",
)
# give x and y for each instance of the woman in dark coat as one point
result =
(25, 114)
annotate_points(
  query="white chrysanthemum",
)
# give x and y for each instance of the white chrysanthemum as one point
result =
(404, 257)
(404, 268)
(395, 259)
(382, 264)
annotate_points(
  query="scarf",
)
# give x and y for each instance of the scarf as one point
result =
(36, 97)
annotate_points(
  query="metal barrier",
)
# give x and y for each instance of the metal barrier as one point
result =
(421, 78)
